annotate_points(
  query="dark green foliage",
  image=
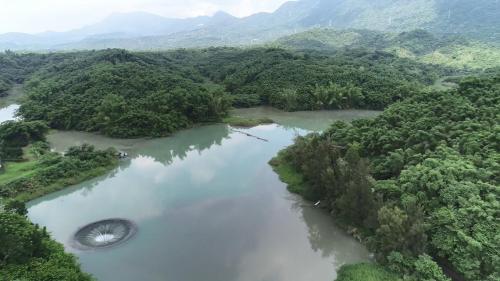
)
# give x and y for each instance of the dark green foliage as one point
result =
(292, 81)
(16, 206)
(126, 94)
(402, 231)
(15, 135)
(20, 239)
(16, 68)
(420, 268)
(122, 94)
(344, 183)
(435, 162)
(28, 253)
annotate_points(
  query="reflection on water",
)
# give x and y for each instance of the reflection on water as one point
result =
(62, 140)
(306, 120)
(8, 113)
(207, 207)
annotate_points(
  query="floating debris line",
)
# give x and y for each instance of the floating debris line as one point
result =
(249, 135)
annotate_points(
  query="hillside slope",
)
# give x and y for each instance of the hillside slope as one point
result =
(449, 50)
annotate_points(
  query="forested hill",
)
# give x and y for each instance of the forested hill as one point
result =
(16, 68)
(476, 19)
(420, 182)
(450, 50)
(124, 94)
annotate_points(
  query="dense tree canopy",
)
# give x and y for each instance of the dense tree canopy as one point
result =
(16, 135)
(122, 94)
(127, 94)
(28, 253)
(16, 68)
(294, 81)
(420, 180)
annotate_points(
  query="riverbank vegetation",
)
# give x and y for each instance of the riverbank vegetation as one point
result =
(29, 170)
(420, 183)
(28, 252)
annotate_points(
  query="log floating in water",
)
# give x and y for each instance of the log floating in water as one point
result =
(249, 135)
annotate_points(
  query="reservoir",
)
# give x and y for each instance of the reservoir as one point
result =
(207, 206)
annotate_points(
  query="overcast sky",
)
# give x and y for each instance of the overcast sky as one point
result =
(60, 15)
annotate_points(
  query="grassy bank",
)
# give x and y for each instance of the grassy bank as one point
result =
(63, 183)
(293, 179)
(34, 177)
(237, 121)
(365, 272)
(15, 170)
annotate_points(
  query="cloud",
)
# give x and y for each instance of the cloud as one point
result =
(60, 15)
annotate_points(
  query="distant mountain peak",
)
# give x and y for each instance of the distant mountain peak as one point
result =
(476, 19)
(222, 14)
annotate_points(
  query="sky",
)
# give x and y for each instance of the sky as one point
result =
(33, 16)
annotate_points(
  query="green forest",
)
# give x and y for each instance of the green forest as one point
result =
(419, 184)
(124, 94)
(28, 253)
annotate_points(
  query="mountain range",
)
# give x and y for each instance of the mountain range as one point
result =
(479, 19)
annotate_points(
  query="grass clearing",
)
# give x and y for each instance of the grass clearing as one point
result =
(237, 121)
(365, 272)
(16, 170)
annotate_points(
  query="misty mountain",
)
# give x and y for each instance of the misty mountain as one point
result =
(478, 19)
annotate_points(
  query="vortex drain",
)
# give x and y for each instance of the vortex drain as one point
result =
(104, 234)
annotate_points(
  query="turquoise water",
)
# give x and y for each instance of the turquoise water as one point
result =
(208, 207)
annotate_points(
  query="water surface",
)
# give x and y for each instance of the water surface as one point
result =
(307, 120)
(8, 113)
(208, 207)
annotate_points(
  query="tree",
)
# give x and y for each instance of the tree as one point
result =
(16, 206)
(20, 239)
